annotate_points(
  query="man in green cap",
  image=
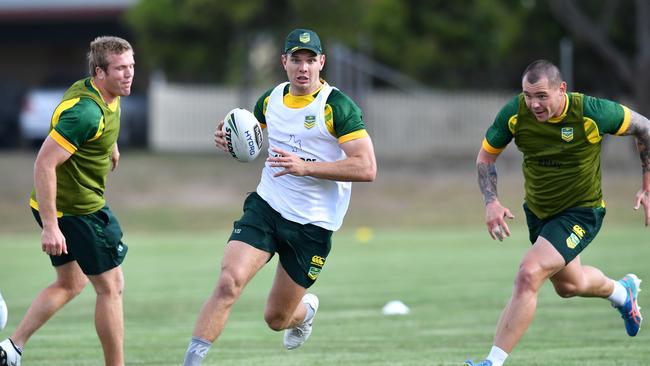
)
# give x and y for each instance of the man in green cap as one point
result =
(318, 145)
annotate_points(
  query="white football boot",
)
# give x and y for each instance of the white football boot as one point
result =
(8, 354)
(295, 337)
(3, 313)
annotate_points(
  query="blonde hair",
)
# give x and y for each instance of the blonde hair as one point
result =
(101, 48)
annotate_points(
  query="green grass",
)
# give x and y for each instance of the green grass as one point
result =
(456, 282)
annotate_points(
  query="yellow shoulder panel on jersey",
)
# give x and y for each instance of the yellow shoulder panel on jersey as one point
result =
(100, 129)
(512, 123)
(591, 131)
(329, 119)
(66, 104)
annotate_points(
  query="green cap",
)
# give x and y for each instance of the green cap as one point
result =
(302, 39)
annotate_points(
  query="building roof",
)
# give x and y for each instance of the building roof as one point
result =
(20, 10)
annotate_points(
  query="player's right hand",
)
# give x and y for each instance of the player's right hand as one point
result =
(53, 241)
(495, 216)
(642, 198)
(219, 137)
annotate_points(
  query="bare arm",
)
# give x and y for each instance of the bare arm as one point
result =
(495, 213)
(640, 129)
(49, 157)
(487, 175)
(359, 165)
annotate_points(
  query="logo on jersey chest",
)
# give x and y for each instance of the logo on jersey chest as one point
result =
(567, 134)
(310, 121)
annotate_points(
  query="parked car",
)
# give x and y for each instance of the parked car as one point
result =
(39, 104)
(10, 98)
(36, 113)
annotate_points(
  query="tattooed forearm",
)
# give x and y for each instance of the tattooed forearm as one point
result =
(640, 129)
(487, 181)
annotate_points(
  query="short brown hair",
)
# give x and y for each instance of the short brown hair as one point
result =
(542, 68)
(103, 46)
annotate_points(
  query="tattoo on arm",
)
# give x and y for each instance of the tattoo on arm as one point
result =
(640, 129)
(487, 181)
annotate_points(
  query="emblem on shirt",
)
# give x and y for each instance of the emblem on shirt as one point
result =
(567, 134)
(310, 121)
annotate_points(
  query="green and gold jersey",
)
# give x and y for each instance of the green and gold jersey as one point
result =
(561, 163)
(85, 126)
(342, 116)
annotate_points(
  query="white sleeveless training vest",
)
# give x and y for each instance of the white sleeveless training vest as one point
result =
(305, 200)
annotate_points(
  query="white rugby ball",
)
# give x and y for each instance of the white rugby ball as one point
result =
(243, 134)
(3, 313)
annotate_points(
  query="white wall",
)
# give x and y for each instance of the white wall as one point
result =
(404, 127)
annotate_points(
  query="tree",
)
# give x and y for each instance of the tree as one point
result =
(607, 35)
(196, 40)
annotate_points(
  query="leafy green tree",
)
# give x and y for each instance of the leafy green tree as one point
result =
(194, 40)
(618, 34)
(445, 44)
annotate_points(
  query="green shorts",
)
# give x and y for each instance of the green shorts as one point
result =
(570, 231)
(94, 241)
(302, 248)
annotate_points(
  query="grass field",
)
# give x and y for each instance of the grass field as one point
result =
(455, 282)
(429, 250)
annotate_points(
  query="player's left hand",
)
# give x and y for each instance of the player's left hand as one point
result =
(642, 198)
(220, 137)
(291, 163)
(115, 158)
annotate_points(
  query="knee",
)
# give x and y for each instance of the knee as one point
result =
(109, 284)
(72, 286)
(114, 289)
(567, 289)
(276, 321)
(229, 287)
(529, 279)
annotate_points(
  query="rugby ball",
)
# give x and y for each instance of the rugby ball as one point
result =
(243, 135)
(3, 313)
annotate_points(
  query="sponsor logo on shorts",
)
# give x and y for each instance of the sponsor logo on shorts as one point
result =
(317, 261)
(313, 272)
(567, 134)
(120, 248)
(578, 231)
(236, 231)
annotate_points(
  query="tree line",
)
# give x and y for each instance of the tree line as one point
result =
(460, 44)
